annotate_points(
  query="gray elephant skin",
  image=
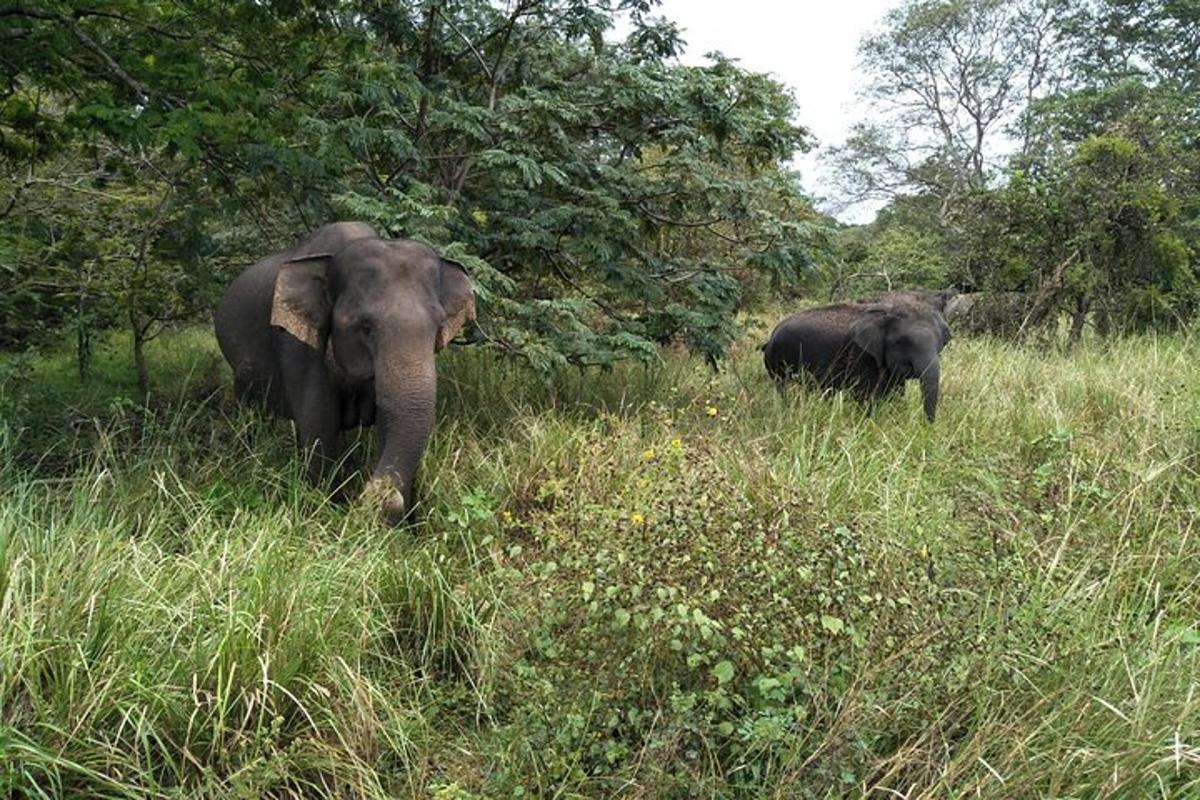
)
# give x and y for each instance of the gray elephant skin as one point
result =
(341, 331)
(940, 301)
(870, 349)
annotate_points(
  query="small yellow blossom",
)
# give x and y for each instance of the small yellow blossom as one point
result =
(507, 515)
(711, 411)
(677, 443)
(636, 518)
(649, 454)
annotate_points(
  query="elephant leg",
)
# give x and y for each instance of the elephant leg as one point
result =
(349, 413)
(783, 364)
(780, 381)
(243, 389)
(357, 412)
(250, 388)
(312, 403)
(866, 393)
(366, 409)
(873, 396)
(892, 387)
(318, 435)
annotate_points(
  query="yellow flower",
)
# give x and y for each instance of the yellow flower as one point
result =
(649, 454)
(507, 515)
(636, 518)
(711, 411)
(677, 443)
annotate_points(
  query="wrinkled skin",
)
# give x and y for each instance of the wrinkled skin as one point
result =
(870, 349)
(340, 331)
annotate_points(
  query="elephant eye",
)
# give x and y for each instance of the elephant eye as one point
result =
(365, 327)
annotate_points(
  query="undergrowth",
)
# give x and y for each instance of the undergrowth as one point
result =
(654, 582)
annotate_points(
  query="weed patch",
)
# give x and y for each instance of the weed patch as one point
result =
(653, 582)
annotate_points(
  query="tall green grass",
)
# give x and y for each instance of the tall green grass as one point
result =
(655, 582)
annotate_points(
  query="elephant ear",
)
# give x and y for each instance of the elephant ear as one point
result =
(458, 301)
(868, 333)
(301, 305)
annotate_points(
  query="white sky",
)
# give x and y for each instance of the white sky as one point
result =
(810, 45)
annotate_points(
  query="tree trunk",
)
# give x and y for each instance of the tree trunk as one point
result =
(83, 338)
(1078, 319)
(139, 354)
(428, 58)
(83, 344)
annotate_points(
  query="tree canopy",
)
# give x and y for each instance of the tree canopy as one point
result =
(604, 196)
(1042, 147)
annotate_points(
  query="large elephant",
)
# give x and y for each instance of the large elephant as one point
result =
(868, 348)
(341, 330)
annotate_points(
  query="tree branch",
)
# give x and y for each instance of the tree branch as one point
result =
(138, 88)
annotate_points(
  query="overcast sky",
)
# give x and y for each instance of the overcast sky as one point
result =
(810, 46)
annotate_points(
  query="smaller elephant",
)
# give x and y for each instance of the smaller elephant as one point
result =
(870, 349)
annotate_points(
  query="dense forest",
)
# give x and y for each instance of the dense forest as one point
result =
(605, 197)
(1046, 148)
(634, 569)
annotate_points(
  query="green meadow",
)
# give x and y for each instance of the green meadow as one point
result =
(656, 581)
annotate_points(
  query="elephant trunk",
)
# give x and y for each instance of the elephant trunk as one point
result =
(929, 388)
(405, 397)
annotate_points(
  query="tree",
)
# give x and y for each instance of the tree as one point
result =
(1152, 37)
(1095, 235)
(948, 81)
(605, 197)
(572, 167)
(130, 132)
(1103, 206)
(1093, 212)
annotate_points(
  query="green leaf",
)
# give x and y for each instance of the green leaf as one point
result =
(1188, 635)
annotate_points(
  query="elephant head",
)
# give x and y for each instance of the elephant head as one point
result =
(904, 339)
(378, 310)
